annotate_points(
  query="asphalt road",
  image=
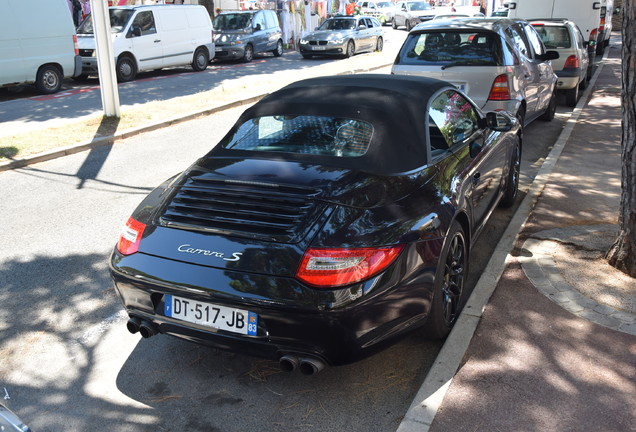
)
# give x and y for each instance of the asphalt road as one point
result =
(68, 362)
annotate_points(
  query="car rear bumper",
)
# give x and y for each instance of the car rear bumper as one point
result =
(568, 78)
(338, 326)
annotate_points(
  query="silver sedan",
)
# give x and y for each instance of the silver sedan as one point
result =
(343, 36)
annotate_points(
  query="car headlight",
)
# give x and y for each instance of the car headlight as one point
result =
(337, 41)
(304, 41)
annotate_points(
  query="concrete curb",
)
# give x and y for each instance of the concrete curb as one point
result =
(108, 140)
(430, 396)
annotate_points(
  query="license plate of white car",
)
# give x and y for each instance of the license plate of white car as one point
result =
(211, 315)
(318, 48)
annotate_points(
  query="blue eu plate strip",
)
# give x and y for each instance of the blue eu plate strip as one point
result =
(167, 305)
(252, 324)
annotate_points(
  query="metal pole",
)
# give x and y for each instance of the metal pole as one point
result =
(105, 58)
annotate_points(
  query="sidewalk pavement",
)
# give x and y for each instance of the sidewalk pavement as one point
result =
(554, 348)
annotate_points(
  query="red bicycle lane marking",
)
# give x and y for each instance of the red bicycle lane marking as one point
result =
(73, 92)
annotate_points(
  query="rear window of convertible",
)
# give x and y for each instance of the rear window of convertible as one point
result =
(319, 135)
(452, 48)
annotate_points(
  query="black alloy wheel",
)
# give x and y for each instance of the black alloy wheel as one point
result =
(449, 284)
(512, 181)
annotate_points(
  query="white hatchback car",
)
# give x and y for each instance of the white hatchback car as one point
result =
(573, 65)
(500, 63)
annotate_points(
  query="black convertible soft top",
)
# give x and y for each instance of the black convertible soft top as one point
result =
(394, 104)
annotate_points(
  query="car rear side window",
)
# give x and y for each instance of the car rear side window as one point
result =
(453, 48)
(330, 136)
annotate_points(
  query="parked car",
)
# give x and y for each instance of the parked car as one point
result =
(38, 43)
(500, 63)
(149, 37)
(585, 13)
(383, 11)
(241, 34)
(411, 13)
(324, 224)
(343, 36)
(573, 65)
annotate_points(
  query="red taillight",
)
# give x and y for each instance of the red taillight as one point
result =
(601, 27)
(500, 89)
(593, 36)
(130, 237)
(75, 45)
(330, 268)
(571, 62)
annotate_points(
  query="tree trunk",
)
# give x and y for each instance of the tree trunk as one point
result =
(622, 254)
(209, 5)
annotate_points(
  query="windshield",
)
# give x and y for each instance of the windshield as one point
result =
(456, 48)
(118, 20)
(318, 135)
(418, 6)
(338, 24)
(232, 21)
(385, 4)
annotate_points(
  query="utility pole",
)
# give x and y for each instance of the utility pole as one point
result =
(105, 58)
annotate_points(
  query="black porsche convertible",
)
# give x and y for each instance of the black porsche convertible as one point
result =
(336, 214)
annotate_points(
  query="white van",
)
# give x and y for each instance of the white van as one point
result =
(585, 13)
(151, 37)
(37, 44)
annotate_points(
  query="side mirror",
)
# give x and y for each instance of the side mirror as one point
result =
(617, 10)
(362, 27)
(512, 5)
(134, 32)
(475, 147)
(549, 55)
(500, 121)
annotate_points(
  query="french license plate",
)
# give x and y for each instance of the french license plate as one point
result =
(319, 48)
(211, 315)
(218, 49)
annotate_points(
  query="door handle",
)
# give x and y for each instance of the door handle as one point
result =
(157, 40)
(476, 178)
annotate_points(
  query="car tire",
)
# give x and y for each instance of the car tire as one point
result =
(80, 77)
(408, 25)
(512, 181)
(451, 273)
(583, 83)
(279, 49)
(201, 59)
(394, 24)
(351, 49)
(548, 115)
(48, 79)
(572, 96)
(126, 68)
(248, 55)
(379, 44)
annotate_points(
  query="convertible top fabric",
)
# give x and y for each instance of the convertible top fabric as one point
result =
(394, 105)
